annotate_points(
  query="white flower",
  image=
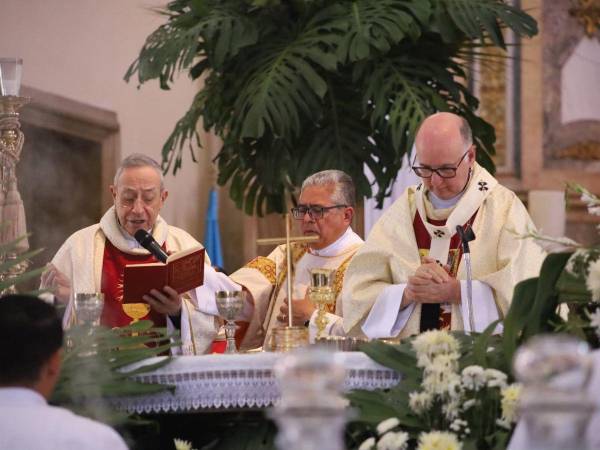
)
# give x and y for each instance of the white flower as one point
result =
(420, 402)
(592, 281)
(438, 440)
(387, 425)
(368, 444)
(578, 255)
(503, 423)
(495, 378)
(468, 404)
(451, 409)
(589, 199)
(594, 210)
(595, 321)
(510, 401)
(440, 382)
(180, 444)
(393, 441)
(473, 378)
(432, 343)
(458, 424)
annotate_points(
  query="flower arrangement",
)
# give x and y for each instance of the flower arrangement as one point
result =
(448, 402)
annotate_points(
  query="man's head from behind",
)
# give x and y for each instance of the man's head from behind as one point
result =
(31, 337)
(326, 206)
(444, 143)
(139, 193)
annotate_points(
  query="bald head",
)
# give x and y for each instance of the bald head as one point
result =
(444, 140)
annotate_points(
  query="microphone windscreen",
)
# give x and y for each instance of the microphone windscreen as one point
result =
(142, 236)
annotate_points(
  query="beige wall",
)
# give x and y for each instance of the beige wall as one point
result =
(80, 49)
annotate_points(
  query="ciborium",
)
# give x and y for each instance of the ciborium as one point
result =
(321, 294)
(230, 305)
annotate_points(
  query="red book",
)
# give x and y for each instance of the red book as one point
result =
(182, 271)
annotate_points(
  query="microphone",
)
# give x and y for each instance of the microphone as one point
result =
(149, 243)
(465, 237)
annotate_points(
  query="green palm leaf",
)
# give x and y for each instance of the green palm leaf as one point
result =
(374, 27)
(284, 82)
(481, 19)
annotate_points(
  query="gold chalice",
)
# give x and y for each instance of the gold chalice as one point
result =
(321, 294)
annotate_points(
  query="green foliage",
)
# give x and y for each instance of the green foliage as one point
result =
(294, 87)
(10, 263)
(95, 368)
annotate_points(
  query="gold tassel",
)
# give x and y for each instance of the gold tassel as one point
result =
(13, 215)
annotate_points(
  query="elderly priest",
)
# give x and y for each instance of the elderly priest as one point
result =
(93, 260)
(410, 275)
(325, 210)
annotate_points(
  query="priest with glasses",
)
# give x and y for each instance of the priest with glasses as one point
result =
(410, 275)
(325, 210)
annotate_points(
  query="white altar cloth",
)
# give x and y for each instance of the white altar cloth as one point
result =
(237, 381)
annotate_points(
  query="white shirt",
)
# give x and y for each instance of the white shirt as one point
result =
(27, 422)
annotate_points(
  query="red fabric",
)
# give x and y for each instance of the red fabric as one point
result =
(454, 255)
(113, 265)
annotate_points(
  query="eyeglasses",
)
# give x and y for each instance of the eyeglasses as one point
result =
(443, 172)
(314, 211)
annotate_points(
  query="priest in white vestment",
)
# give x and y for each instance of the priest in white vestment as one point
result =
(325, 209)
(93, 260)
(410, 275)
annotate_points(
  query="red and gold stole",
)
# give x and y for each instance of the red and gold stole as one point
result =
(113, 265)
(436, 315)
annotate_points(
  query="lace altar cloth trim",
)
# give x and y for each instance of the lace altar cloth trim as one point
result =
(237, 381)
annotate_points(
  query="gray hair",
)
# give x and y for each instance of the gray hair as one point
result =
(344, 192)
(139, 160)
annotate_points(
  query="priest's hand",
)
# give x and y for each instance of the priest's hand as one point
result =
(57, 282)
(303, 309)
(432, 270)
(167, 301)
(421, 290)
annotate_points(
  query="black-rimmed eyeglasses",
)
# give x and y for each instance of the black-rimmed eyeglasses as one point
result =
(314, 211)
(443, 172)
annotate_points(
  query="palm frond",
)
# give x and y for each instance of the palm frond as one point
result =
(375, 27)
(96, 366)
(481, 19)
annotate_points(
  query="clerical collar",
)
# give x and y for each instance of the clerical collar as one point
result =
(345, 240)
(440, 203)
(129, 239)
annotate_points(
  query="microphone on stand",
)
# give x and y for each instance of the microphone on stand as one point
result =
(467, 236)
(149, 243)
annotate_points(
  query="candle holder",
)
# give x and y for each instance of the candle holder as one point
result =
(12, 221)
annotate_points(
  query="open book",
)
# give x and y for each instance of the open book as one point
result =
(182, 271)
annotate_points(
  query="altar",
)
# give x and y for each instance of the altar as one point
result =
(221, 382)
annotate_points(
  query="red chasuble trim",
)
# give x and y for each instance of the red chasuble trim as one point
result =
(434, 315)
(113, 266)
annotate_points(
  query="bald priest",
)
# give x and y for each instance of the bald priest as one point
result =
(409, 276)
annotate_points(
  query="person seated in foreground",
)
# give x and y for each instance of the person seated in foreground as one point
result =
(325, 210)
(93, 260)
(31, 338)
(410, 275)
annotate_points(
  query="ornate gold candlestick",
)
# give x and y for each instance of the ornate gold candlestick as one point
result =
(12, 218)
(321, 294)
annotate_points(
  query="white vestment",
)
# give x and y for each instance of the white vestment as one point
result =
(266, 279)
(27, 422)
(81, 258)
(377, 275)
